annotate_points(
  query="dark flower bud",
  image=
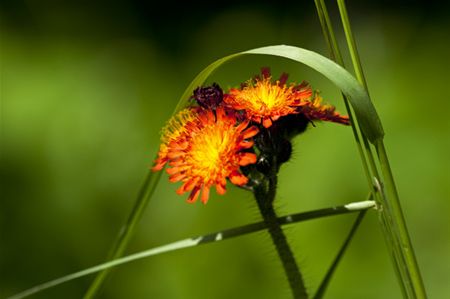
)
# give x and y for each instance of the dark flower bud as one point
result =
(209, 97)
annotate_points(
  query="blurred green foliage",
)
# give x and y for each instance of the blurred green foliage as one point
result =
(85, 89)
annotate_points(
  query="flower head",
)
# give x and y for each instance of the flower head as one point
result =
(264, 101)
(203, 148)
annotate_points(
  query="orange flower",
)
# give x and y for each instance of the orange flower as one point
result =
(265, 101)
(203, 149)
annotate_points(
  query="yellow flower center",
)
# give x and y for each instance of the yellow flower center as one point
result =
(264, 95)
(211, 150)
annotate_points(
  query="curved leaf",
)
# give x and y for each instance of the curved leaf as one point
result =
(364, 109)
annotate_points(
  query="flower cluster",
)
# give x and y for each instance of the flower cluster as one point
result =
(213, 139)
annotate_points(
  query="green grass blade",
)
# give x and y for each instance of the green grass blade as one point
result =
(356, 60)
(335, 53)
(365, 152)
(363, 107)
(392, 219)
(200, 240)
(414, 285)
(324, 284)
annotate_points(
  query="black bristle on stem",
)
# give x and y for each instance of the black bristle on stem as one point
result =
(275, 148)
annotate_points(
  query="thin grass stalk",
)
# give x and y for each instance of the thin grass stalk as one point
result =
(200, 240)
(392, 250)
(325, 282)
(396, 224)
(335, 54)
(127, 230)
(415, 285)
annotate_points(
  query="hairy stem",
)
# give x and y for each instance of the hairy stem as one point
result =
(265, 199)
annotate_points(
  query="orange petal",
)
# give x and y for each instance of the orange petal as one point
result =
(340, 119)
(220, 113)
(194, 195)
(205, 194)
(237, 106)
(177, 177)
(238, 178)
(305, 94)
(244, 144)
(174, 154)
(159, 165)
(180, 145)
(220, 189)
(177, 163)
(242, 126)
(275, 117)
(267, 122)
(173, 170)
(203, 117)
(181, 189)
(222, 181)
(177, 169)
(250, 132)
(211, 117)
(190, 184)
(247, 158)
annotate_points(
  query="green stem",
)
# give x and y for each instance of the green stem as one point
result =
(335, 54)
(392, 219)
(265, 203)
(356, 61)
(325, 282)
(414, 285)
(127, 230)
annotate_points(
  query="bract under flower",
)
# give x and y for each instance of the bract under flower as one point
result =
(204, 148)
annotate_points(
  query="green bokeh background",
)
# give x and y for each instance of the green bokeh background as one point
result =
(85, 89)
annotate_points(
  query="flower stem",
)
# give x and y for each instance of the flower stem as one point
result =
(265, 199)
